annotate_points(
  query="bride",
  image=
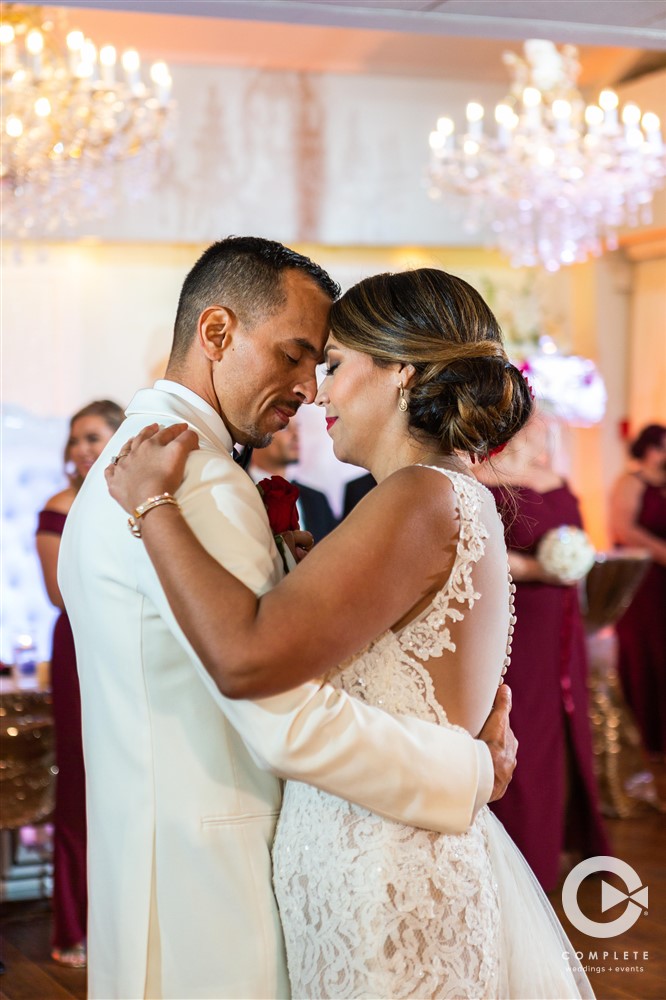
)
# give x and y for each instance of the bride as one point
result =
(407, 605)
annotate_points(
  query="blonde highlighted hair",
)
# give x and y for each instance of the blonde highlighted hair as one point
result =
(466, 394)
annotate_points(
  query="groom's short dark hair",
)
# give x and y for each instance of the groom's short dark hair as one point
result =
(245, 274)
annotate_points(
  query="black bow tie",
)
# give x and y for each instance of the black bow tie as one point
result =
(243, 456)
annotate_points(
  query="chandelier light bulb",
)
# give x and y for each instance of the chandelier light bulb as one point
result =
(43, 107)
(608, 100)
(34, 42)
(445, 126)
(131, 61)
(561, 110)
(89, 52)
(159, 72)
(107, 55)
(6, 34)
(437, 140)
(75, 40)
(593, 116)
(504, 117)
(532, 105)
(650, 122)
(531, 97)
(107, 61)
(631, 115)
(474, 113)
(14, 126)
(84, 69)
(562, 114)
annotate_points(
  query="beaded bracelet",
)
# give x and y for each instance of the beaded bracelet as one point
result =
(143, 508)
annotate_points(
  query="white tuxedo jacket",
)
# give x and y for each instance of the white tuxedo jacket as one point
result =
(181, 783)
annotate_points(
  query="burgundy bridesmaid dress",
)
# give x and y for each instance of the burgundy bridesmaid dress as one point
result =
(552, 802)
(70, 891)
(641, 634)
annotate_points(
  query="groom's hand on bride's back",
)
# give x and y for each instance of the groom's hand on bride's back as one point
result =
(501, 742)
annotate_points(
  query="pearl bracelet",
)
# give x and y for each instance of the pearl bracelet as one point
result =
(143, 508)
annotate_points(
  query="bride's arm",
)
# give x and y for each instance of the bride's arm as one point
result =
(361, 579)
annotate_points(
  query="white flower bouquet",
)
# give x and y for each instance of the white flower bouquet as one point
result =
(566, 553)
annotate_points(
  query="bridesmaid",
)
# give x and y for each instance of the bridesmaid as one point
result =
(638, 520)
(90, 429)
(551, 808)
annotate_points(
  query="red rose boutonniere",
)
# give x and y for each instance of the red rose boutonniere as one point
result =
(280, 498)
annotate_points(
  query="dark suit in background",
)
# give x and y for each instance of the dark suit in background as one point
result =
(318, 518)
(355, 490)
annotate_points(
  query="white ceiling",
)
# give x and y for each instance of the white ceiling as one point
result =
(618, 40)
(627, 23)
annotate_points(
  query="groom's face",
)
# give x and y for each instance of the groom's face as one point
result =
(268, 368)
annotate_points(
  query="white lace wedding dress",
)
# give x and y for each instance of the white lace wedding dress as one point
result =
(374, 909)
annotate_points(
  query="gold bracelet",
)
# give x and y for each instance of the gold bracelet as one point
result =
(143, 508)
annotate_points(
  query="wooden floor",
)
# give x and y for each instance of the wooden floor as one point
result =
(25, 930)
(31, 975)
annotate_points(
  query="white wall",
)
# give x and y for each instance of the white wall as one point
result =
(298, 157)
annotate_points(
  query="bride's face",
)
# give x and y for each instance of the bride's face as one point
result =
(360, 399)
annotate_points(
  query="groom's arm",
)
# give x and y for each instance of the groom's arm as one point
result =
(405, 769)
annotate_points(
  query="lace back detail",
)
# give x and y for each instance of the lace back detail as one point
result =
(429, 634)
(392, 672)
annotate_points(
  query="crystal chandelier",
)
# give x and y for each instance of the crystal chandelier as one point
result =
(80, 129)
(558, 178)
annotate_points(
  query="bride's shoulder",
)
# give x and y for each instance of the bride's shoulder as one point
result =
(413, 497)
(419, 480)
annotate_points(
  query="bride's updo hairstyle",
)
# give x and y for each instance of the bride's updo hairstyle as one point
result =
(466, 394)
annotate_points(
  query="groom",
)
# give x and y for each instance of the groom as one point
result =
(182, 789)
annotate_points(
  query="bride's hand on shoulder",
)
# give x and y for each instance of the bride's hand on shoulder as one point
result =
(151, 463)
(299, 543)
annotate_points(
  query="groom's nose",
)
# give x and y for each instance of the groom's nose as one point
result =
(306, 389)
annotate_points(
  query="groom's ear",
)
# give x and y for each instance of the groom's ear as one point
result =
(216, 324)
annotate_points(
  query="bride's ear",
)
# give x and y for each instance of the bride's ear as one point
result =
(407, 373)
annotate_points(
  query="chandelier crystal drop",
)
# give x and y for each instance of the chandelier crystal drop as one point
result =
(557, 179)
(80, 129)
